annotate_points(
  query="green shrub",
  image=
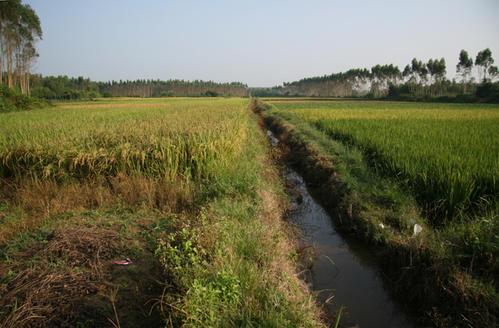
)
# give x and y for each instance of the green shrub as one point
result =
(12, 100)
(489, 92)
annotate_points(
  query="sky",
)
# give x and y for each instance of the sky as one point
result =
(258, 42)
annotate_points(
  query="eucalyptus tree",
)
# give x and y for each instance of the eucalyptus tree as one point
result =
(382, 76)
(407, 72)
(19, 30)
(484, 60)
(493, 73)
(464, 67)
(376, 80)
(392, 73)
(361, 77)
(437, 69)
(418, 75)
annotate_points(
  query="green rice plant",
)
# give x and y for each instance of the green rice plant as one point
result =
(448, 154)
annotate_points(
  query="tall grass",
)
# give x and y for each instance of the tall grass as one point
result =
(448, 154)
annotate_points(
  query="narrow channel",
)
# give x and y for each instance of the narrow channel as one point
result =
(342, 274)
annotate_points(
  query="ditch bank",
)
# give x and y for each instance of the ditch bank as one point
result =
(437, 294)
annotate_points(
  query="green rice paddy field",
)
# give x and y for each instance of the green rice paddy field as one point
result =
(448, 154)
(401, 164)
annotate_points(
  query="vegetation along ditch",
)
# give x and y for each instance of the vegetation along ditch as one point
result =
(421, 263)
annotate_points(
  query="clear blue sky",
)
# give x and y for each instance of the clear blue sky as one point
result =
(259, 42)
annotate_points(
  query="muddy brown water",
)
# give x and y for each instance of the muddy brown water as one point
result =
(342, 273)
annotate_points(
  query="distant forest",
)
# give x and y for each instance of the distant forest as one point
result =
(417, 81)
(157, 88)
(63, 87)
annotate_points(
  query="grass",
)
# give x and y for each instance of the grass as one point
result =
(183, 187)
(365, 159)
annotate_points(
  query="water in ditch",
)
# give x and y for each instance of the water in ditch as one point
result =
(342, 274)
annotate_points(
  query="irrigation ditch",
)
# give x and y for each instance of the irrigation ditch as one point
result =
(365, 282)
(340, 271)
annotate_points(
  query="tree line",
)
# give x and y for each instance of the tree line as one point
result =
(20, 29)
(159, 88)
(68, 88)
(418, 79)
